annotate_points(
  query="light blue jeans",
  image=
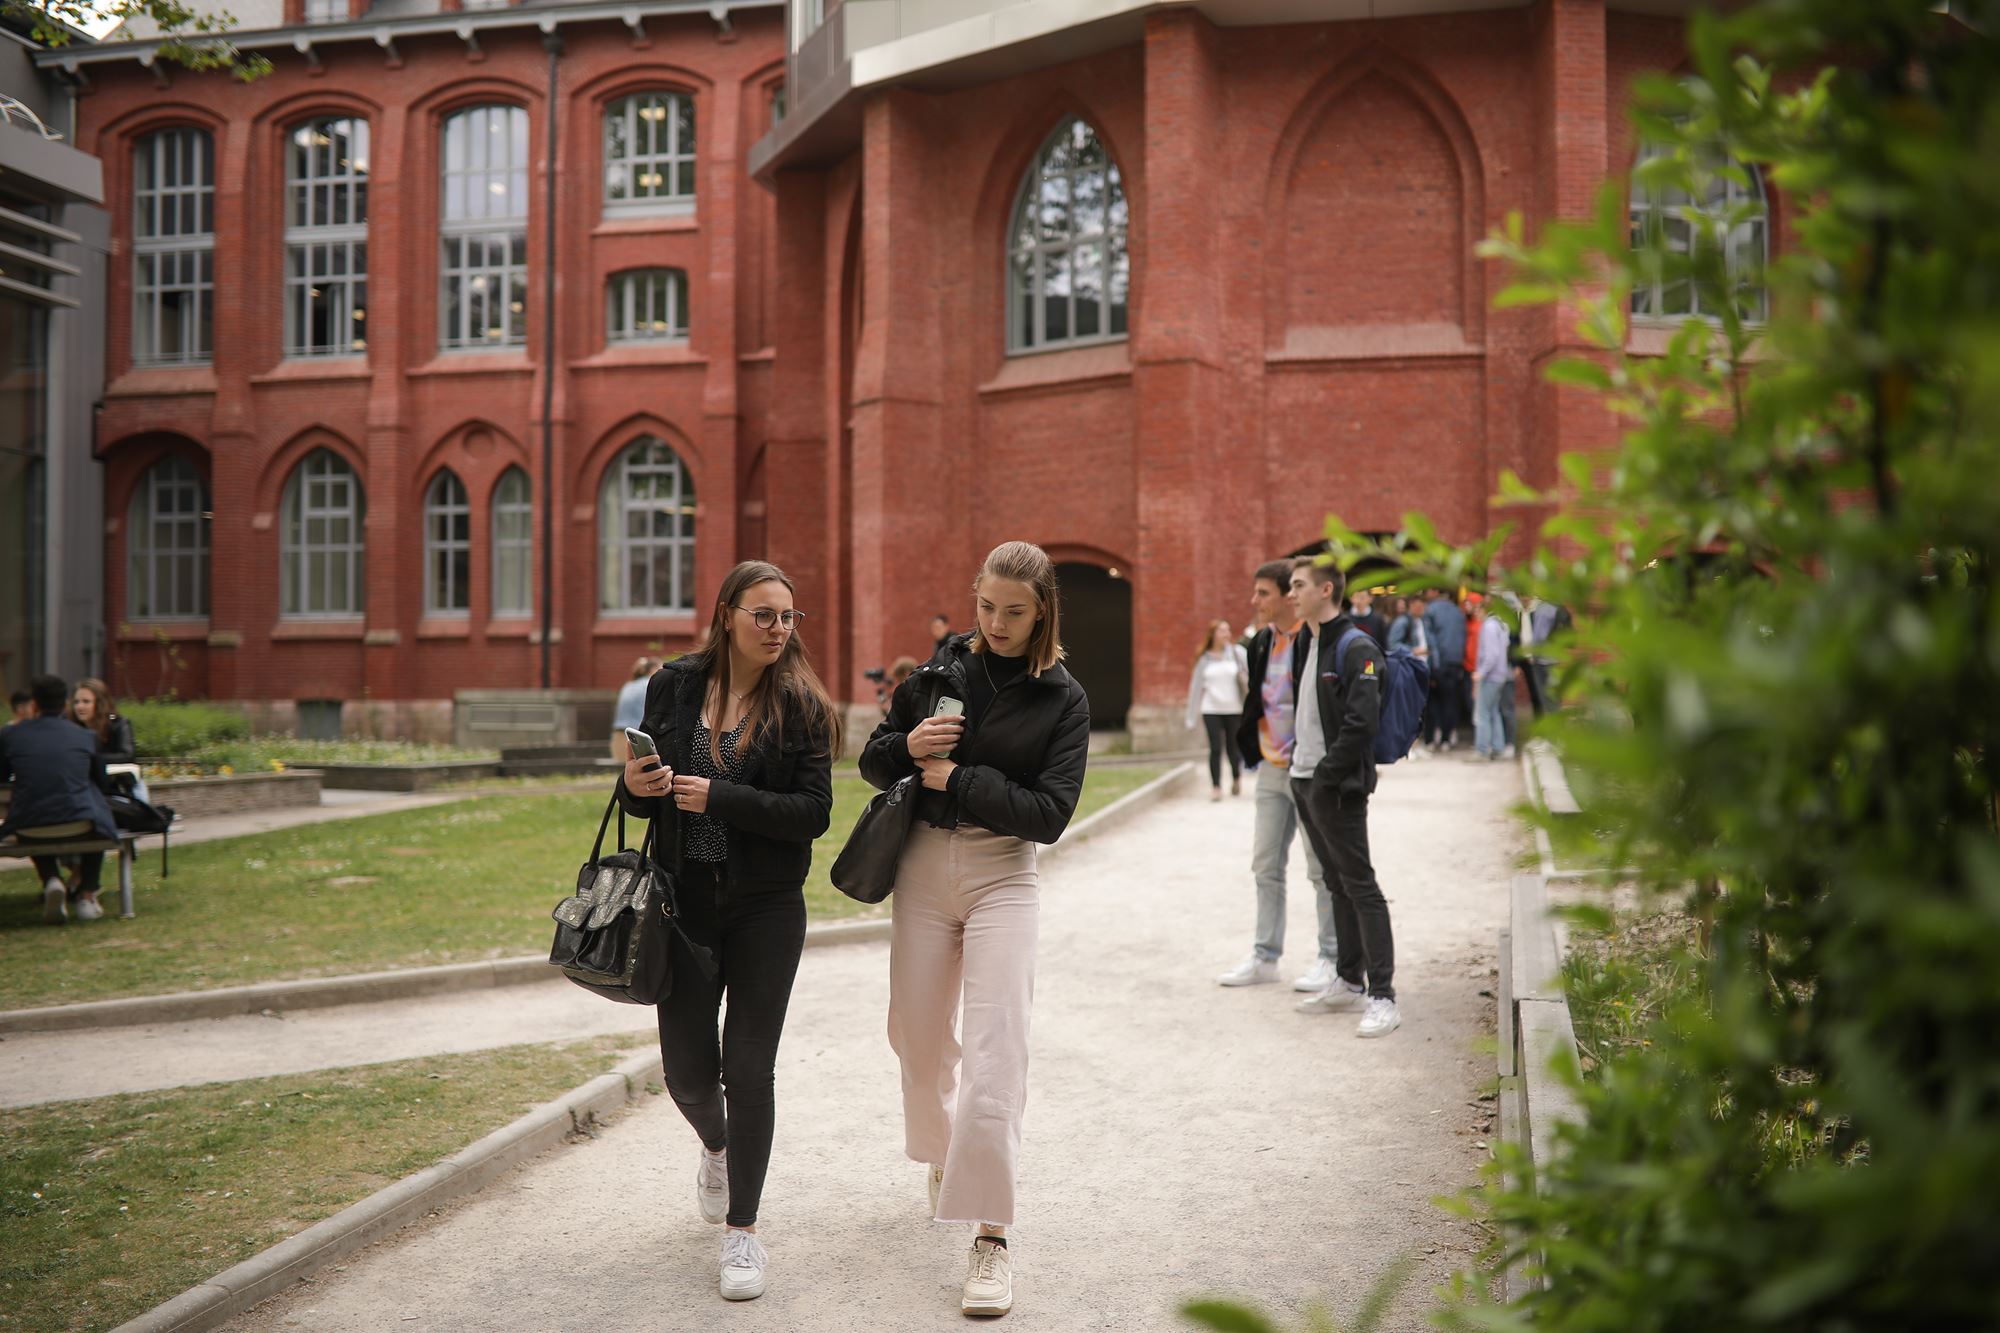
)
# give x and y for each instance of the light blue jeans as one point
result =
(1489, 735)
(1277, 824)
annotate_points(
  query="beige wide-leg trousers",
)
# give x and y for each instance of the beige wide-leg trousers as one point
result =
(965, 914)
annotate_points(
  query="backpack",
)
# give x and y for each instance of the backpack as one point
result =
(1406, 688)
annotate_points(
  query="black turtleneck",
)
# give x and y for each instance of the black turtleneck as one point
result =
(986, 674)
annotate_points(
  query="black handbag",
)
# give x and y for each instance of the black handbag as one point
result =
(614, 935)
(866, 868)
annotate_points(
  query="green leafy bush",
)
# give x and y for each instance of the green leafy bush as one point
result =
(171, 730)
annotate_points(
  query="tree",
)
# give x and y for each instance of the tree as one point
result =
(192, 39)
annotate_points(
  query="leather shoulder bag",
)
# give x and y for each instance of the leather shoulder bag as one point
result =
(866, 868)
(614, 935)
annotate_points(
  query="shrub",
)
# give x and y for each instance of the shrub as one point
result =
(170, 730)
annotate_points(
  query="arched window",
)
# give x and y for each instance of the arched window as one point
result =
(1731, 215)
(320, 549)
(646, 507)
(1068, 273)
(447, 547)
(513, 546)
(483, 224)
(647, 305)
(173, 247)
(167, 544)
(649, 154)
(326, 237)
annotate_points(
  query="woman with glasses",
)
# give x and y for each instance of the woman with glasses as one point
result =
(742, 785)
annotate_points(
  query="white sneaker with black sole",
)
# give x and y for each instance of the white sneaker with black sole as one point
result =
(1318, 979)
(711, 1185)
(1333, 999)
(1252, 971)
(989, 1280)
(743, 1261)
(55, 901)
(1379, 1019)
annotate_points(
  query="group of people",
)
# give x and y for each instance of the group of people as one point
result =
(55, 750)
(991, 735)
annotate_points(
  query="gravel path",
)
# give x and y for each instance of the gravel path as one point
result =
(1180, 1139)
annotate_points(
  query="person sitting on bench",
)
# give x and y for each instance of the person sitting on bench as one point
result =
(58, 781)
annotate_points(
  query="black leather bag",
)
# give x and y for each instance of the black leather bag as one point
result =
(866, 868)
(614, 935)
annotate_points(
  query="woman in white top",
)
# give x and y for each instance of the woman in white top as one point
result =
(1215, 696)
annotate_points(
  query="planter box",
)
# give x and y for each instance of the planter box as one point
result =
(193, 798)
(498, 719)
(402, 777)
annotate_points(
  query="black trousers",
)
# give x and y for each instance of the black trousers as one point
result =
(90, 870)
(728, 1089)
(1338, 831)
(1447, 699)
(1222, 741)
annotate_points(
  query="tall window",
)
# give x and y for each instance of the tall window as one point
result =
(1731, 217)
(485, 229)
(1068, 273)
(320, 550)
(167, 543)
(326, 11)
(649, 154)
(647, 543)
(173, 247)
(447, 547)
(647, 305)
(326, 238)
(513, 546)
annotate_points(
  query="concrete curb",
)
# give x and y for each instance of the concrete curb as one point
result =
(234, 1290)
(408, 983)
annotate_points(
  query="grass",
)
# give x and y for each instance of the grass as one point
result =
(474, 879)
(1621, 984)
(113, 1205)
(267, 754)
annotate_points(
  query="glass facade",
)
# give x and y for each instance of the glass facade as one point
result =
(24, 450)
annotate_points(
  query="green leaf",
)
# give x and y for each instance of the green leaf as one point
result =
(1579, 373)
(1226, 1317)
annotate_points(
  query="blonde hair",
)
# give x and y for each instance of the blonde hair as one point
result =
(1025, 562)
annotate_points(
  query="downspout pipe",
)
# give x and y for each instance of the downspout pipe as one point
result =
(552, 43)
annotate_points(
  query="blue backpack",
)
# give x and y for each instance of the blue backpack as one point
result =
(1406, 687)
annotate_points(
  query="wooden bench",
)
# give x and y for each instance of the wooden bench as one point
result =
(126, 846)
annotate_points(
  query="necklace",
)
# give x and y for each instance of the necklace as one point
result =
(989, 674)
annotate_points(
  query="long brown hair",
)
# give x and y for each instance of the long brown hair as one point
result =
(101, 711)
(789, 692)
(1025, 562)
(1208, 640)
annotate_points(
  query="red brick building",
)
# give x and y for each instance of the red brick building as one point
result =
(1158, 286)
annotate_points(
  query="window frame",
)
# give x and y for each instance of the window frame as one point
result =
(1647, 207)
(676, 202)
(507, 233)
(622, 299)
(503, 545)
(143, 558)
(295, 553)
(617, 545)
(191, 253)
(447, 548)
(311, 241)
(317, 13)
(1112, 243)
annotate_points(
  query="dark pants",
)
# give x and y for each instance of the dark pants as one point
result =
(757, 936)
(1222, 741)
(1338, 831)
(1447, 700)
(91, 864)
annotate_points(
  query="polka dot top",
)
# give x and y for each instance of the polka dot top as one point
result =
(708, 837)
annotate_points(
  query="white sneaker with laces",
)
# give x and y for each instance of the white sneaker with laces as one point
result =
(743, 1260)
(989, 1280)
(55, 901)
(1321, 976)
(711, 1185)
(88, 910)
(935, 1175)
(1252, 971)
(1334, 998)
(1379, 1019)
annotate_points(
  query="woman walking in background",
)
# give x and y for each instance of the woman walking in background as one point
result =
(742, 785)
(1215, 696)
(996, 780)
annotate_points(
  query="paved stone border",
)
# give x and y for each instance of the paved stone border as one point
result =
(407, 983)
(234, 1290)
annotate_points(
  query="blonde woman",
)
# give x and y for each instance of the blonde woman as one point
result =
(996, 780)
(1215, 702)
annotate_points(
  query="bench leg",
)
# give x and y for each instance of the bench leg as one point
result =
(125, 880)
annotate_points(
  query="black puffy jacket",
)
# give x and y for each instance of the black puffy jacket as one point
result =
(783, 802)
(1020, 766)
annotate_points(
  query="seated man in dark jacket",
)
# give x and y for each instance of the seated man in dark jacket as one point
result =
(58, 780)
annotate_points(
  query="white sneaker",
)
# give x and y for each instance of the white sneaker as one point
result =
(88, 910)
(989, 1281)
(1334, 998)
(711, 1185)
(1252, 971)
(743, 1260)
(1379, 1019)
(935, 1175)
(1321, 976)
(55, 901)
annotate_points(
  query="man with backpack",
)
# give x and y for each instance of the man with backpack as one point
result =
(1340, 706)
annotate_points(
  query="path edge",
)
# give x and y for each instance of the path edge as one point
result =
(215, 1301)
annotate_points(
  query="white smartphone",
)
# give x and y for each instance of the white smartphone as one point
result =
(947, 707)
(642, 744)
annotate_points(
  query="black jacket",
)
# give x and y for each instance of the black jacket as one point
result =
(1248, 740)
(784, 801)
(1020, 767)
(58, 776)
(1350, 710)
(117, 745)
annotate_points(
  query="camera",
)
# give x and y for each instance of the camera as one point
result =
(876, 674)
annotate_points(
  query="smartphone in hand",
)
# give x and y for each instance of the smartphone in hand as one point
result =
(642, 744)
(947, 707)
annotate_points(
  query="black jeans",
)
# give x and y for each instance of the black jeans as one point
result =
(1338, 830)
(757, 935)
(1447, 700)
(1222, 741)
(90, 869)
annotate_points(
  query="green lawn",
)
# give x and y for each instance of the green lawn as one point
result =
(113, 1205)
(471, 880)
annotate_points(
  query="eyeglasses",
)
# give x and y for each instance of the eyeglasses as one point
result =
(765, 618)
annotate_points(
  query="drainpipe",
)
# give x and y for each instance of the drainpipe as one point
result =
(552, 43)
